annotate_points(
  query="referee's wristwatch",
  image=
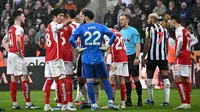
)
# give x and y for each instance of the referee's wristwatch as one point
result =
(136, 57)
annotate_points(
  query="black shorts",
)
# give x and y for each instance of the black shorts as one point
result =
(133, 69)
(79, 68)
(152, 64)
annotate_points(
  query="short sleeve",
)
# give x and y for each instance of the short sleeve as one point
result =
(179, 33)
(19, 31)
(56, 27)
(136, 37)
(147, 32)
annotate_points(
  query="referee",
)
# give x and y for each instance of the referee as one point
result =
(131, 39)
(156, 46)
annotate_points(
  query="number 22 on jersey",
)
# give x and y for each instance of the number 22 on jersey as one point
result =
(89, 40)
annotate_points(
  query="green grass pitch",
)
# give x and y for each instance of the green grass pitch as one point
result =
(38, 99)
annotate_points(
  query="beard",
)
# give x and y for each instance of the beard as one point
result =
(22, 24)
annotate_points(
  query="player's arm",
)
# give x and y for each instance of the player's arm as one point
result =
(147, 43)
(137, 42)
(5, 42)
(58, 27)
(73, 39)
(194, 40)
(167, 42)
(179, 45)
(18, 43)
(112, 37)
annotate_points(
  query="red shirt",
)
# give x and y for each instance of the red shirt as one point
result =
(13, 32)
(117, 50)
(53, 42)
(184, 56)
(65, 34)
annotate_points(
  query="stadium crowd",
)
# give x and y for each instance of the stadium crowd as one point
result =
(38, 16)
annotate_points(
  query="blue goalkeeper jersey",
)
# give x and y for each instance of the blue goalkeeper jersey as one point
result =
(91, 35)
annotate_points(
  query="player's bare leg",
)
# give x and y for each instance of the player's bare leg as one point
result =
(26, 92)
(166, 82)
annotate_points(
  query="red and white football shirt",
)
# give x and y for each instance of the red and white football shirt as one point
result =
(13, 32)
(117, 50)
(65, 34)
(184, 56)
(53, 42)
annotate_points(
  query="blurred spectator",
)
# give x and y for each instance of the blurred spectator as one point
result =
(30, 46)
(48, 14)
(30, 5)
(160, 9)
(41, 47)
(5, 11)
(109, 18)
(197, 32)
(121, 11)
(40, 33)
(196, 12)
(135, 20)
(172, 10)
(127, 11)
(37, 9)
(147, 8)
(27, 13)
(165, 21)
(184, 14)
(117, 8)
(70, 5)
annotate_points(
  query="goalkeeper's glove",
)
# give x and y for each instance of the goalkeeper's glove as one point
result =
(79, 50)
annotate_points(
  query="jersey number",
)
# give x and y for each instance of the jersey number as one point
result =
(10, 40)
(161, 35)
(63, 38)
(89, 35)
(48, 41)
(118, 46)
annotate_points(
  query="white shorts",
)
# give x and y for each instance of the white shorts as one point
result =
(119, 69)
(182, 70)
(69, 68)
(54, 68)
(15, 65)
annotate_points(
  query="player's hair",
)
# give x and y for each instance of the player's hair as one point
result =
(176, 18)
(56, 12)
(84, 9)
(89, 14)
(72, 13)
(16, 13)
(126, 15)
(65, 11)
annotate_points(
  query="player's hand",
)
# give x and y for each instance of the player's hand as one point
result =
(20, 55)
(104, 48)
(80, 50)
(136, 62)
(144, 62)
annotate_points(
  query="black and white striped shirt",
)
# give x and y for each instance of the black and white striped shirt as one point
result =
(158, 35)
